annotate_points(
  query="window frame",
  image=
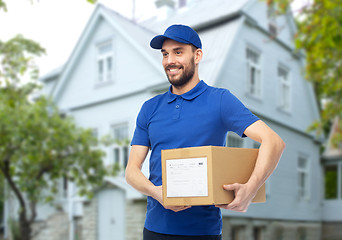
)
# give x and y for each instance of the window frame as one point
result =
(284, 83)
(123, 150)
(104, 58)
(272, 20)
(258, 92)
(235, 137)
(238, 232)
(306, 193)
(339, 181)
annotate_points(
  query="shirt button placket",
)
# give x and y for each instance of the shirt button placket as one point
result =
(178, 106)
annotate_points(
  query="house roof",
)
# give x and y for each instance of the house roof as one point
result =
(197, 16)
(332, 151)
(121, 183)
(140, 35)
(132, 32)
(52, 74)
(216, 29)
(217, 43)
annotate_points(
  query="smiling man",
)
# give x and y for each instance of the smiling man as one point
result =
(192, 114)
(180, 62)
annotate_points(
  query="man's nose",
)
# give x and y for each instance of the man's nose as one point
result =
(171, 59)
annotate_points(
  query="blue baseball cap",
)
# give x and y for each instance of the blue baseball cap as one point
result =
(179, 33)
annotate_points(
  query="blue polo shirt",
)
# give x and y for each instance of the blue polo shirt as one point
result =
(199, 117)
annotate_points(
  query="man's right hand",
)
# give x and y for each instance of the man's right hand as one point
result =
(158, 195)
(138, 180)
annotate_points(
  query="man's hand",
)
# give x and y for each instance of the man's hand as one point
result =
(242, 200)
(158, 195)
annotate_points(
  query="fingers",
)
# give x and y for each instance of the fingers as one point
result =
(236, 207)
(178, 208)
(232, 207)
(237, 204)
(231, 187)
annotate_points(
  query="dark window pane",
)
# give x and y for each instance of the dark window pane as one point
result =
(330, 182)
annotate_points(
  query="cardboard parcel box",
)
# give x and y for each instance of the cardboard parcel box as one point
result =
(195, 176)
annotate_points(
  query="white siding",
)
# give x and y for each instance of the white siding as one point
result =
(233, 75)
(131, 71)
(258, 11)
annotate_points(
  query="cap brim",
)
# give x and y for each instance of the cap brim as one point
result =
(157, 41)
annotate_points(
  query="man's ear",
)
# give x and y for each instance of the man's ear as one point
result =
(198, 55)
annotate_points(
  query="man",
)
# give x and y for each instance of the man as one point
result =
(192, 114)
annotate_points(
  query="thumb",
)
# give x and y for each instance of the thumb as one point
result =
(229, 187)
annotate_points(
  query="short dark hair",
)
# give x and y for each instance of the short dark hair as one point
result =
(194, 48)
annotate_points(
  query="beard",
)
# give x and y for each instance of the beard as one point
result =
(185, 77)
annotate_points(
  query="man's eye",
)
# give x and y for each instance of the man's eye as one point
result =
(165, 54)
(178, 52)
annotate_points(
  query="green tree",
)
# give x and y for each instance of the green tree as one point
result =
(319, 35)
(38, 146)
(3, 5)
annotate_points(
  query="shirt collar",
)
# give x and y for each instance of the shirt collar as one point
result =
(193, 93)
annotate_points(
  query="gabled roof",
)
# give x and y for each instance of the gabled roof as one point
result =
(139, 35)
(218, 31)
(52, 74)
(201, 14)
(133, 34)
(332, 151)
(217, 43)
(121, 183)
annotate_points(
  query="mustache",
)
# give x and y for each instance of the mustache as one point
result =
(173, 66)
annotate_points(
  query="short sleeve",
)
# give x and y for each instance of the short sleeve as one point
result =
(141, 136)
(235, 116)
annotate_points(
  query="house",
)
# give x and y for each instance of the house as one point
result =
(248, 50)
(332, 185)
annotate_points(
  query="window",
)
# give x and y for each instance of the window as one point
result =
(258, 233)
(64, 187)
(121, 146)
(95, 132)
(301, 234)
(279, 233)
(105, 62)
(284, 83)
(272, 23)
(237, 233)
(256, 145)
(120, 132)
(331, 182)
(253, 73)
(234, 140)
(303, 177)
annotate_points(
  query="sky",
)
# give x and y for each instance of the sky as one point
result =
(57, 24)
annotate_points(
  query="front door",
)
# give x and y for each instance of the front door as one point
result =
(111, 218)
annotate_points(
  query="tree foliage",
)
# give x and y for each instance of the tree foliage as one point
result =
(3, 6)
(17, 58)
(38, 145)
(319, 35)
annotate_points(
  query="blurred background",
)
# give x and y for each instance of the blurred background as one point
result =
(74, 79)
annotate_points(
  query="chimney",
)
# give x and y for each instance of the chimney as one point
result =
(164, 8)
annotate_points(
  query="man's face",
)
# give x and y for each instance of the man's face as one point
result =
(178, 62)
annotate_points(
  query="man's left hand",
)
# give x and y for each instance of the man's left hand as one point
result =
(242, 200)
